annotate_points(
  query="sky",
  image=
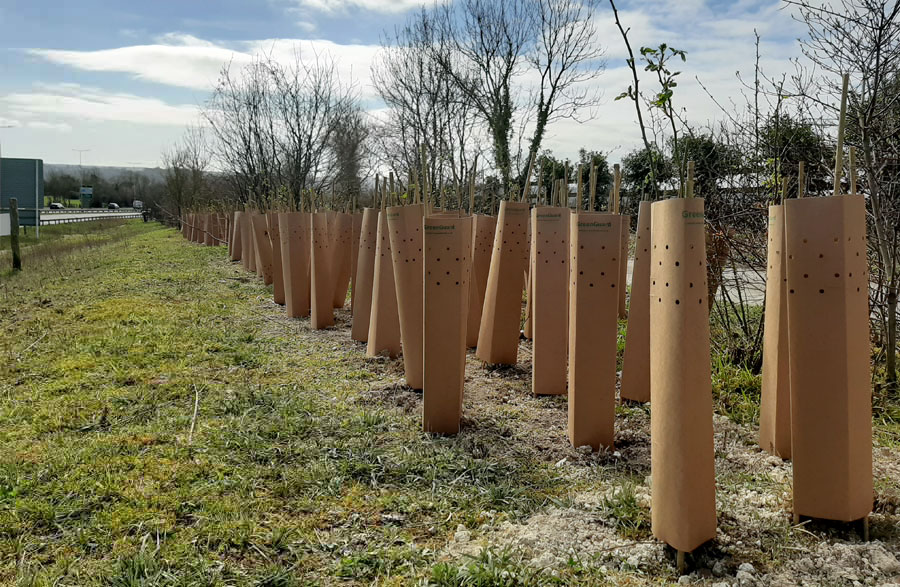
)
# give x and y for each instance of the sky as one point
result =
(122, 79)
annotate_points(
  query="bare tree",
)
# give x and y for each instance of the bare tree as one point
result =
(862, 38)
(186, 169)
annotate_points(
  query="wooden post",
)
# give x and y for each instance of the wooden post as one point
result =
(689, 191)
(472, 186)
(580, 189)
(853, 170)
(14, 233)
(525, 190)
(617, 184)
(801, 179)
(839, 150)
(593, 188)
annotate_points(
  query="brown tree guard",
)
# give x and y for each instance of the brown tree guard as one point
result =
(294, 232)
(208, 225)
(683, 506)
(483, 228)
(321, 286)
(384, 322)
(251, 238)
(498, 336)
(775, 403)
(448, 253)
(549, 283)
(365, 275)
(341, 238)
(528, 326)
(185, 226)
(625, 219)
(277, 266)
(248, 254)
(593, 291)
(263, 248)
(235, 246)
(405, 227)
(828, 314)
(356, 227)
(636, 360)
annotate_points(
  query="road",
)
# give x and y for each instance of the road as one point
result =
(85, 215)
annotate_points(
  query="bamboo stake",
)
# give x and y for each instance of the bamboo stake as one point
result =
(539, 198)
(617, 187)
(472, 186)
(784, 188)
(593, 187)
(853, 170)
(375, 197)
(391, 176)
(801, 179)
(690, 180)
(525, 189)
(839, 150)
(580, 189)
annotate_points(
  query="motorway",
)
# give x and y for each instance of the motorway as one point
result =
(85, 215)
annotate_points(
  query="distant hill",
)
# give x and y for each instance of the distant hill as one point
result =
(106, 172)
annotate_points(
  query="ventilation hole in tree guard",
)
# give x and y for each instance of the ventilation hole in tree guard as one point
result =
(677, 302)
(821, 291)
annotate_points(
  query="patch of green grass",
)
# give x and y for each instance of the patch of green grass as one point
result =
(736, 391)
(623, 511)
(289, 477)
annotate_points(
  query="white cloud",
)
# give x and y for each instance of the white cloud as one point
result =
(9, 123)
(343, 6)
(78, 103)
(51, 126)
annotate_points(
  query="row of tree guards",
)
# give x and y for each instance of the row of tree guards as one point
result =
(428, 282)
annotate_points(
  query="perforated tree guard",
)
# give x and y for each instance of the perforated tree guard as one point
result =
(405, 226)
(683, 509)
(234, 243)
(263, 248)
(340, 233)
(320, 270)
(294, 231)
(550, 274)
(636, 361)
(625, 219)
(498, 336)
(828, 314)
(384, 322)
(594, 254)
(277, 268)
(448, 257)
(356, 227)
(365, 275)
(775, 405)
(483, 228)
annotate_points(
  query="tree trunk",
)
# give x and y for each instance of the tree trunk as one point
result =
(891, 347)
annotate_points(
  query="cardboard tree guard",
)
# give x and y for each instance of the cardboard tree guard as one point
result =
(828, 314)
(636, 360)
(775, 404)
(405, 226)
(235, 246)
(247, 253)
(365, 275)
(251, 242)
(277, 268)
(625, 219)
(528, 322)
(384, 322)
(321, 282)
(294, 231)
(341, 238)
(208, 224)
(683, 508)
(594, 284)
(263, 248)
(550, 276)
(448, 253)
(483, 228)
(498, 335)
(354, 257)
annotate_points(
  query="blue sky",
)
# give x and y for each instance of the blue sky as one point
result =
(123, 78)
